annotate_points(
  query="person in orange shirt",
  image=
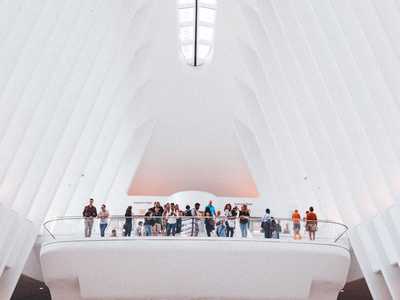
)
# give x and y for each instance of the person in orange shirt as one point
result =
(311, 223)
(296, 218)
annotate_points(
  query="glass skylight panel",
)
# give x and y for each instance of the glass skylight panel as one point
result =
(207, 15)
(196, 19)
(186, 14)
(187, 50)
(186, 34)
(182, 3)
(210, 3)
(204, 50)
(205, 33)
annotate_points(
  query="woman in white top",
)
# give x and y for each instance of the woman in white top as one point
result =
(103, 216)
(171, 221)
(230, 220)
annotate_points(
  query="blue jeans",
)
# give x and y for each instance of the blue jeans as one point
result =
(103, 229)
(221, 231)
(171, 228)
(243, 229)
(147, 230)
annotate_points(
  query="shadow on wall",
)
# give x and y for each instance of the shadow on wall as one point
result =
(31, 289)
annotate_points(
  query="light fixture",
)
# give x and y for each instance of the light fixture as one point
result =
(196, 20)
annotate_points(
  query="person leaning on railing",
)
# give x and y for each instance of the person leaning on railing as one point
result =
(89, 213)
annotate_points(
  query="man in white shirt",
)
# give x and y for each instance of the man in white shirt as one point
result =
(266, 224)
(195, 221)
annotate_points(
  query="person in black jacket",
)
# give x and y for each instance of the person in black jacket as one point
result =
(188, 211)
(89, 213)
(128, 221)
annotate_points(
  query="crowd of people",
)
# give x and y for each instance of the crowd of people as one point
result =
(169, 219)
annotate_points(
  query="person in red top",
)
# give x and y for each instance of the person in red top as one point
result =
(311, 223)
(296, 218)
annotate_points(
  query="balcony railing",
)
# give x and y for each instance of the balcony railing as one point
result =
(139, 226)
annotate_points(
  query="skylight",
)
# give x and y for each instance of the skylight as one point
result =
(196, 20)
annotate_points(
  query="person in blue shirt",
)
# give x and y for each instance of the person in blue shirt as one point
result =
(211, 209)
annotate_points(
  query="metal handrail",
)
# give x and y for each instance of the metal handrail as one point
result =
(197, 218)
(188, 217)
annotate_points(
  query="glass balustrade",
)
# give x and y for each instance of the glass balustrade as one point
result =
(281, 229)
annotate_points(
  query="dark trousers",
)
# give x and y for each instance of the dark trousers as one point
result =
(128, 229)
(229, 230)
(209, 229)
(178, 225)
(267, 230)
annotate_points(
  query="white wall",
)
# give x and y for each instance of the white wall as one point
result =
(192, 269)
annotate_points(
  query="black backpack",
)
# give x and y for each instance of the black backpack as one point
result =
(273, 225)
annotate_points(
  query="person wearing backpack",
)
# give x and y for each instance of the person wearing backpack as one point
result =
(266, 223)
